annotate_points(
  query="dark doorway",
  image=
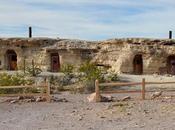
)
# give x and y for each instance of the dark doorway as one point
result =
(138, 64)
(11, 60)
(171, 65)
(55, 62)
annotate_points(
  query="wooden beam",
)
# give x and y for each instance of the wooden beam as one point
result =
(119, 84)
(120, 91)
(27, 86)
(159, 83)
(23, 94)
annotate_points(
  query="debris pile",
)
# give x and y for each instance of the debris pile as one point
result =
(28, 99)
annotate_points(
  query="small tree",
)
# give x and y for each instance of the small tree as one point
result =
(92, 72)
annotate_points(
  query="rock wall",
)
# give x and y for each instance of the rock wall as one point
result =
(118, 54)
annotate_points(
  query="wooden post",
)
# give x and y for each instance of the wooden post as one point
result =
(97, 91)
(143, 89)
(30, 32)
(33, 68)
(48, 91)
(24, 65)
(170, 34)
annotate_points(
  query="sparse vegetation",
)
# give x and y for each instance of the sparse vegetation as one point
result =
(33, 71)
(92, 72)
(13, 80)
(67, 69)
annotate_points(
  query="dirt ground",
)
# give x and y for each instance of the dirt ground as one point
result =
(79, 114)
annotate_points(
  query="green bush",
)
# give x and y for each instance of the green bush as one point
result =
(92, 72)
(13, 80)
(67, 69)
(111, 77)
(33, 71)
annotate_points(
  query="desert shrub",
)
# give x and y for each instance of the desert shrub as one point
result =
(67, 69)
(33, 70)
(110, 76)
(13, 80)
(92, 72)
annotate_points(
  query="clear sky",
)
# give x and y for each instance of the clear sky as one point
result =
(87, 19)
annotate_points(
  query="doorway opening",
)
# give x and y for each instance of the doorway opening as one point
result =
(171, 64)
(11, 60)
(55, 62)
(138, 64)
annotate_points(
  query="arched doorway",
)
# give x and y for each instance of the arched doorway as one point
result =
(138, 64)
(11, 57)
(171, 64)
(55, 62)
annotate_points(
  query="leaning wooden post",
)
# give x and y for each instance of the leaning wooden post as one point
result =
(48, 91)
(97, 91)
(143, 89)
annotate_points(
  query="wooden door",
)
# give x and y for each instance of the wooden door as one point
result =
(12, 62)
(55, 63)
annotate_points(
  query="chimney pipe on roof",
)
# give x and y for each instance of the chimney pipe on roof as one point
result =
(30, 32)
(170, 34)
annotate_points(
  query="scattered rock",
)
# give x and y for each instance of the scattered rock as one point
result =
(20, 97)
(39, 99)
(156, 94)
(126, 98)
(80, 118)
(128, 113)
(13, 101)
(55, 99)
(106, 98)
(102, 117)
(146, 111)
(168, 97)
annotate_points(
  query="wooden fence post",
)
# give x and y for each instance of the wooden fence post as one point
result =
(143, 89)
(48, 91)
(97, 91)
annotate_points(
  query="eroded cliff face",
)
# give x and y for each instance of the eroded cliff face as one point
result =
(120, 55)
(130, 55)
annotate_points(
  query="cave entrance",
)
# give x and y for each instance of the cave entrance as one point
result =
(138, 64)
(171, 64)
(11, 60)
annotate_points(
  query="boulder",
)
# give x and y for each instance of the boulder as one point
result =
(92, 97)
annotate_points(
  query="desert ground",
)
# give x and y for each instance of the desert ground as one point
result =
(79, 114)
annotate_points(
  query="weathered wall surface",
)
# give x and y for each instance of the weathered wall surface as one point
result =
(118, 54)
(39, 50)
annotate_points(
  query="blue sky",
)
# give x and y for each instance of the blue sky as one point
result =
(87, 19)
